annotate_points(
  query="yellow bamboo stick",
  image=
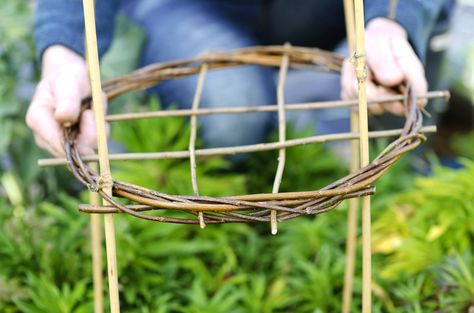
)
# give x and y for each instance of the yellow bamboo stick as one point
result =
(96, 247)
(267, 108)
(94, 75)
(235, 150)
(350, 23)
(97, 258)
(361, 73)
(351, 238)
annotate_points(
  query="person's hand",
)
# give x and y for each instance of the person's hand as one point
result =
(391, 61)
(57, 102)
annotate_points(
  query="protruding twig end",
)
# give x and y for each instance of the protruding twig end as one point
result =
(202, 224)
(273, 222)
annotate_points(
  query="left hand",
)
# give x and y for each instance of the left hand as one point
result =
(391, 62)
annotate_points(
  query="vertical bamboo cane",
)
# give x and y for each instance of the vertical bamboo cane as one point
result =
(361, 73)
(94, 72)
(96, 247)
(96, 244)
(355, 164)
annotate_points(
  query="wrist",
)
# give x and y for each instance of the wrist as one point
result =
(56, 56)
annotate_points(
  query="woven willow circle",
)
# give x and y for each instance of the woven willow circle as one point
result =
(244, 208)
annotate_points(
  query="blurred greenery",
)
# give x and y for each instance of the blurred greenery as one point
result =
(422, 237)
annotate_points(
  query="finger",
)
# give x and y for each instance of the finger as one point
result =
(350, 88)
(348, 78)
(411, 66)
(381, 61)
(85, 150)
(40, 119)
(51, 133)
(394, 107)
(87, 137)
(69, 89)
(43, 145)
(373, 93)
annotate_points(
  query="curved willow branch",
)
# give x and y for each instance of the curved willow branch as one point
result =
(245, 208)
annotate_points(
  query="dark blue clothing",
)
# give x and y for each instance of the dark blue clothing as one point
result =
(418, 17)
(61, 21)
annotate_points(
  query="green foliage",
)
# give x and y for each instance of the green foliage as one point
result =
(47, 239)
(456, 282)
(18, 74)
(428, 222)
(46, 297)
(463, 149)
(410, 291)
(419, 239)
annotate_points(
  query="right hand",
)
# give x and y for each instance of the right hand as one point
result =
(391, 61)
(57, 101)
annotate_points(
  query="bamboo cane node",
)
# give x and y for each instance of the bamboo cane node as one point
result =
(356, 55)
(103, 181)
(359, 66)
(92, 188)
(361, 74)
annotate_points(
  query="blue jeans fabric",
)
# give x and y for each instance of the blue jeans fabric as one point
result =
(177, 29)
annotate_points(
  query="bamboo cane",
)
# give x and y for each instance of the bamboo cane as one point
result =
(266, 108)
(361, 73)
(355, 164)
(94, 73)
(96, 247)
(96, 243)
(235, 150)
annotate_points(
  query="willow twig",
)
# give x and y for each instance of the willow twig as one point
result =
(236, 150)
